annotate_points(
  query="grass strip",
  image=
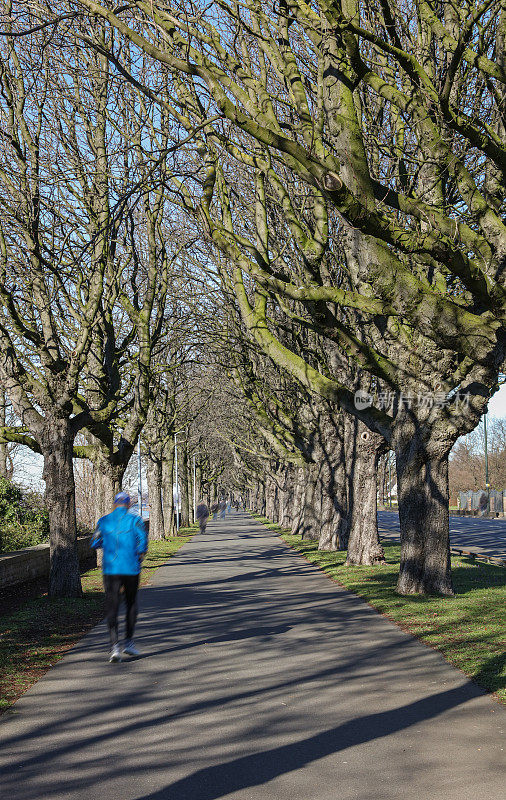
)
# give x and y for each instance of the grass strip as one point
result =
(39, 633)
(469, 629)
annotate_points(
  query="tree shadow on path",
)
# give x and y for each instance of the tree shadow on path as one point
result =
(242, 773)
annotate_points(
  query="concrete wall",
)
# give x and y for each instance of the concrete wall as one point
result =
(477, 502)
(33, 562)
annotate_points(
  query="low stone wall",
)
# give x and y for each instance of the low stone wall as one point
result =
(33, 562)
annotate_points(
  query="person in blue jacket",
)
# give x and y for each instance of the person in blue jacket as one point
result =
(123, 539)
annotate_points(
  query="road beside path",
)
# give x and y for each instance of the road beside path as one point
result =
(479, 534)
(260, 680)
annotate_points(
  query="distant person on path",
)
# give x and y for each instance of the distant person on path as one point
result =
(223, 509)
(124, 541)
(229, 507)
(202, 516)
(215, 508)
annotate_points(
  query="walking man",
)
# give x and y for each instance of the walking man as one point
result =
(202, 515)
(124, 541)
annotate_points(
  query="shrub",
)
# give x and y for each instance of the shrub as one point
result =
(24, 520)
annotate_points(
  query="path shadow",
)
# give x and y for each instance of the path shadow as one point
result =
(242, 773)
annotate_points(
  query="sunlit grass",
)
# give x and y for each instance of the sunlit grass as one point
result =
(468, 629)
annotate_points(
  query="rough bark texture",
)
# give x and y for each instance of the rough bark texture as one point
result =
(311, 504)
(364, 546)
(154, 478)
(422, 481)
(332, 484)
(298, 502)
(56, 441)
(253, 498)
(271, 498)
(108, 480)
(258, 498)
(286, 498)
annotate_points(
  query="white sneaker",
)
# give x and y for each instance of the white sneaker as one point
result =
(130, 648)
(115, 654)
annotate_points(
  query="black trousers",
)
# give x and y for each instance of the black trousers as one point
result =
(112, 586)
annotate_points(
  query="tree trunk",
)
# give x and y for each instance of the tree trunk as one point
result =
(332, 480)
(364, 546)
(5, 472)
(56, 443)
(271, 491)
(298, 502)
(258, 499)
(183, 482)
(255, 498)
(286, 498)
(262, 498)
(333, 507)
(108, 480)
(169, 523)
(189, 476)
(154, 478)
(422, 485)
(311, 502)
(199, 489)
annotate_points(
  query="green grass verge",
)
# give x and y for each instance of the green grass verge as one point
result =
(35, 636)
(468, 629)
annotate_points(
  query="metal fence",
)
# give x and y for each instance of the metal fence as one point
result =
(478, 501)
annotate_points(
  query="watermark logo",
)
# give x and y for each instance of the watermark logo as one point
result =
(386, 401)
(362, 399)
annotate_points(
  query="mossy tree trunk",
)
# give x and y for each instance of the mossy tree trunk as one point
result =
(56, 443)
(422, 487)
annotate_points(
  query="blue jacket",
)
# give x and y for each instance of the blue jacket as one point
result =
(123, 538)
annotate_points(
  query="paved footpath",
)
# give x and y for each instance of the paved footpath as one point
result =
(260, 680)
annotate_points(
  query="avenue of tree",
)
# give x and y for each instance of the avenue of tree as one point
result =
(228, 221)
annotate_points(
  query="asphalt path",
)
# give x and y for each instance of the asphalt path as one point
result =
(260, 679)
(478, 534)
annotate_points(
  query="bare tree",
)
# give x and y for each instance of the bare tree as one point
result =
(423, 227)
